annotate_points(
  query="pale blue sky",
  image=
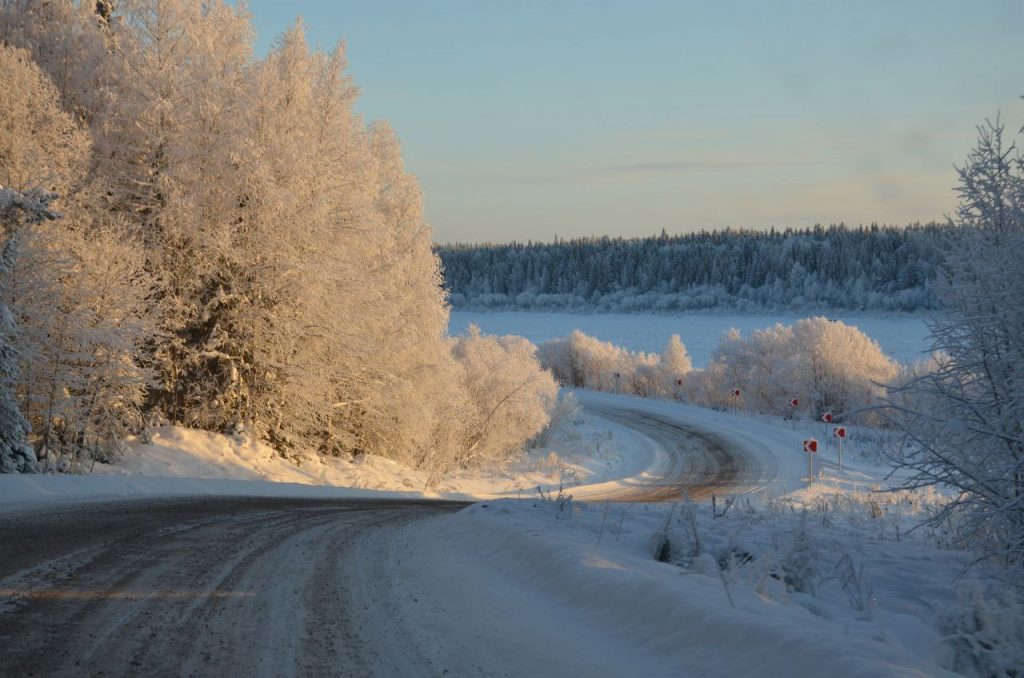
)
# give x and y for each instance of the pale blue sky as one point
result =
(535, 118)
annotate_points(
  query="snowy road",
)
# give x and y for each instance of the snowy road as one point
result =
(277, 586)
(690, 457)
(246, 586)
(280, 587)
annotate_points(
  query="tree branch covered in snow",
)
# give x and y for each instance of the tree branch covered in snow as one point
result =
(964, 419)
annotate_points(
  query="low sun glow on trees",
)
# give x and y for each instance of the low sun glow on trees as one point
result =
(237, 250)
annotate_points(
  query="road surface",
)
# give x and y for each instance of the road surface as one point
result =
(305, 587)
(696, 461)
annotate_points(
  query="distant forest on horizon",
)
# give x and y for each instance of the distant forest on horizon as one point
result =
(864, 268)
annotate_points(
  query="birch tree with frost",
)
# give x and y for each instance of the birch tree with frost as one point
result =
(964, 421)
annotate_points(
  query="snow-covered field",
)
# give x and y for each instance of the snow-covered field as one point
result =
(902, 337)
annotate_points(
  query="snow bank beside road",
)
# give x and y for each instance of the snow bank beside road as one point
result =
(182, 462)
(28, 491)
(584, 451)
(700, 617)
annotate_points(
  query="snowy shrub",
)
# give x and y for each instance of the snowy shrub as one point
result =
(511, 396)
(799, 561)
(986, 634)
(566, 411)
(825, 364)
(788, 553)
(854, 583)
(583, 361)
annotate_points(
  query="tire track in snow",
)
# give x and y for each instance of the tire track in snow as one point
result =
(701, 461)
(251, 586)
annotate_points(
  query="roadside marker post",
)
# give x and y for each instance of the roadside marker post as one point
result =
(827, 418)
(811, 448)
(840, 432)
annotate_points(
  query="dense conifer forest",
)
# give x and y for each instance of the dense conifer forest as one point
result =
(834, 267)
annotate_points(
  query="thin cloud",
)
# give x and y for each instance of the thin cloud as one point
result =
(697, 165)
(645, 168)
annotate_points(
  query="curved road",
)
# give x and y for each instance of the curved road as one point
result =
(268, 587)
(701, 461)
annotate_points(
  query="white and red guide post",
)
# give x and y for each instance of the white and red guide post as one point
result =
(811, 448)
(827, 418)
(840, 432)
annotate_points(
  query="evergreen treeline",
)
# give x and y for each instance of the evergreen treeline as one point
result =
(865, 268)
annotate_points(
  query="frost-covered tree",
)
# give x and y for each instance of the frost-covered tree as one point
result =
(584, 361)
(267, 256)
(40, 145)
(69, 40)
(674, 366)
(77, 287)
(761, 366)
(405, 393)
(965, 418)
(510, 394)
(826, 364)
(675, 358)
(17, 211)
(169, 153)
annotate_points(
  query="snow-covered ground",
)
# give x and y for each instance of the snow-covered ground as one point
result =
(775, 441)
(904, 338)
(590, 456)
(791, 578)
(183, 462)
(764, 590)
(822, 578)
